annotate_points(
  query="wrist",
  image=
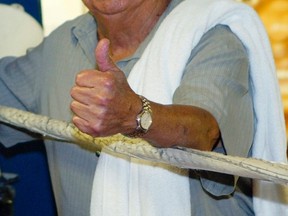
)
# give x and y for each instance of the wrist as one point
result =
(143, 119)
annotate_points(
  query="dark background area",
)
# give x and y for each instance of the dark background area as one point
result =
(33, 7)
(33, 191)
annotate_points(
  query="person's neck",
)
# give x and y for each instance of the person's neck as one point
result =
(127, 30)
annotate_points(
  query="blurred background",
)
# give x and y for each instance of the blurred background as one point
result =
(274, 14)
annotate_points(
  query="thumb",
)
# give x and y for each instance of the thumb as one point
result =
(103, 59)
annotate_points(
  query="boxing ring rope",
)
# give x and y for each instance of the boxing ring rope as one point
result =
(139, 148)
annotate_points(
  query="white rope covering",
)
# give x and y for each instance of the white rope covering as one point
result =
(139, 148)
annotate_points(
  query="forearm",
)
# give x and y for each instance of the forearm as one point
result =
(181, 125)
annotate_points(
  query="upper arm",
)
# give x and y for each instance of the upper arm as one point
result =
(217, 80)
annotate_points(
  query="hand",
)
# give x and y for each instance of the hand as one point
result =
(103, 102)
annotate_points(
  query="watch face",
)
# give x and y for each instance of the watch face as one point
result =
(146, 120)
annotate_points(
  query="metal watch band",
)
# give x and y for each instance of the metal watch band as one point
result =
(139, 131)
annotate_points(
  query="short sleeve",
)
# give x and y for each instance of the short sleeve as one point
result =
(217, 79)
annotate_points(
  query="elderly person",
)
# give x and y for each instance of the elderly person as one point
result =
(210, 108)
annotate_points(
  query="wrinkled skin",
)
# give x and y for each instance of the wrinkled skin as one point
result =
(97, 92)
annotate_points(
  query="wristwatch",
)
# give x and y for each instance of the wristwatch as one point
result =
(143, 119)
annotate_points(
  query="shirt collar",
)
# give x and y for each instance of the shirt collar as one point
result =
(84, 31)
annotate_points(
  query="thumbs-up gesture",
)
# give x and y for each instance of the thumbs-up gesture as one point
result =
(104, 104)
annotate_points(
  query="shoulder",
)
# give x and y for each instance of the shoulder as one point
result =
(66, 37)
(71, 29)
(219, 41)
(222, 36)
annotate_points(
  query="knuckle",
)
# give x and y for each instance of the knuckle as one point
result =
(73, 91)
(108, 82)
(105, 101)
(97, 129)
(73, 106)
(78, 78)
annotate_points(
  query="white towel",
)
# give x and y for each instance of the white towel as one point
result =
(126, 187)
